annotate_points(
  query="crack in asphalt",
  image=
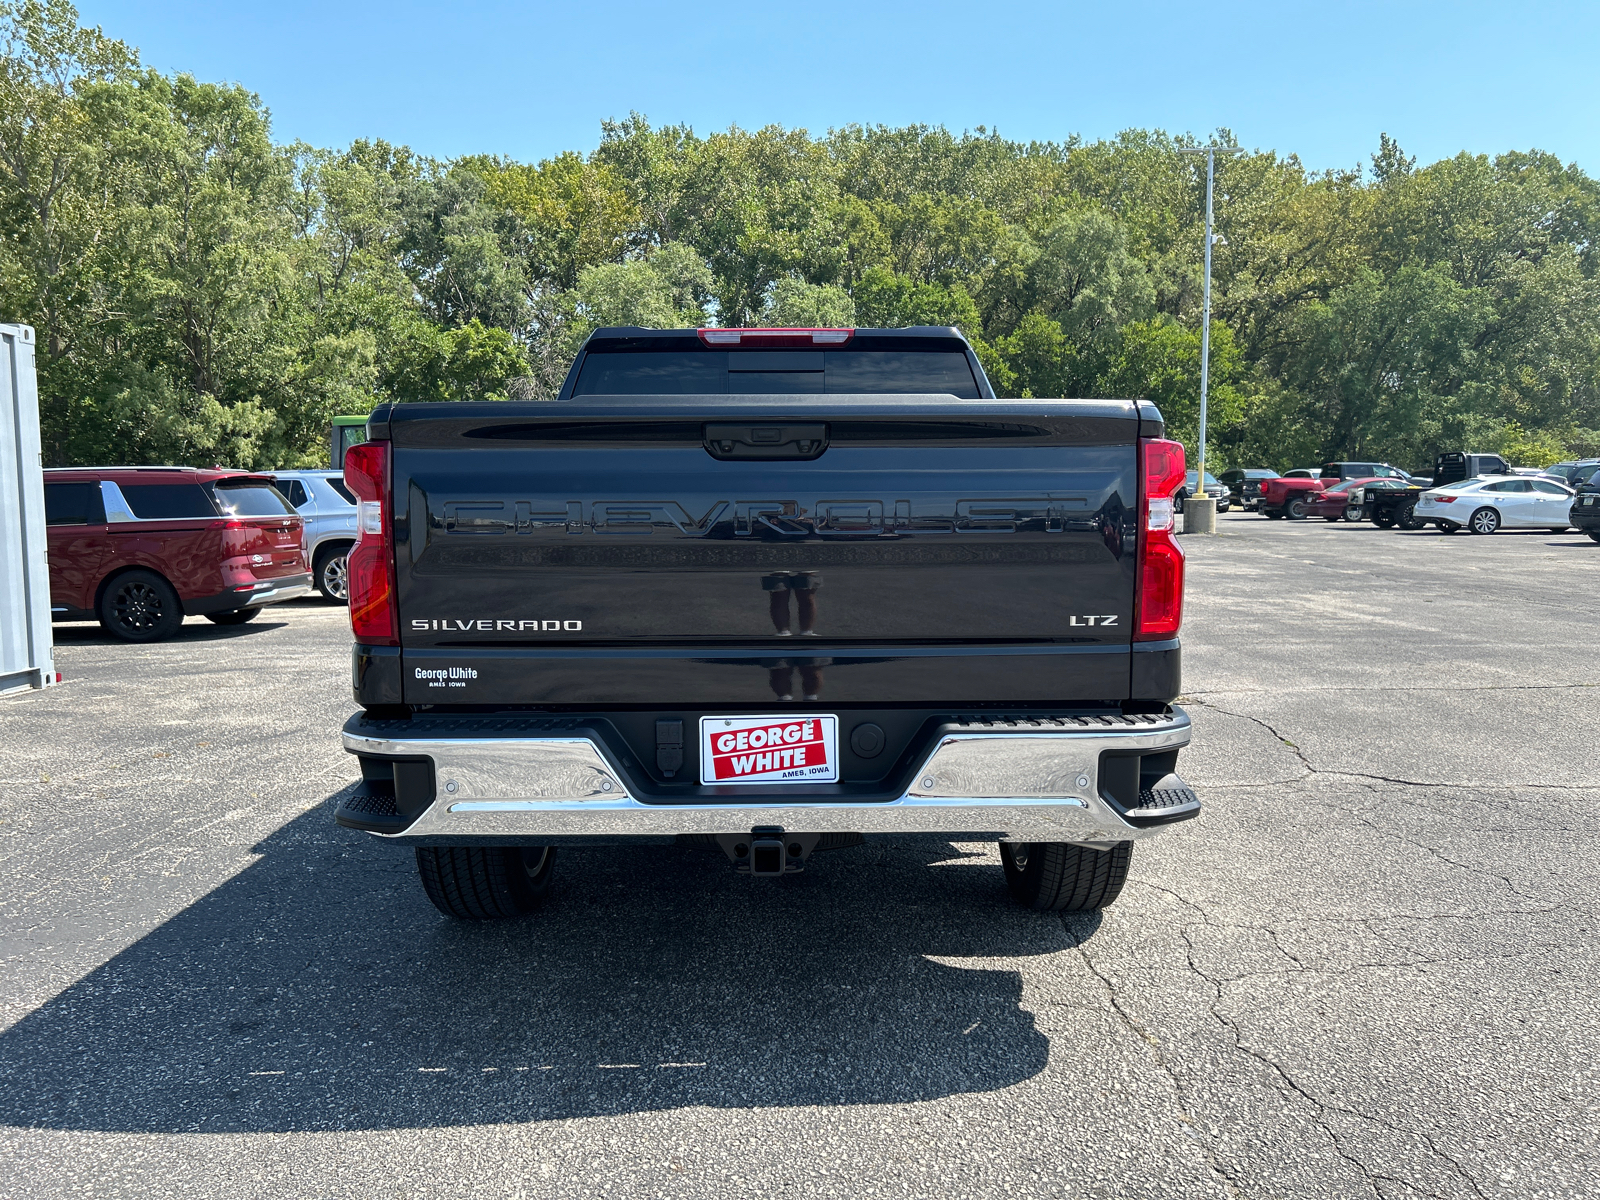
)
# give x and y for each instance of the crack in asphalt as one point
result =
(1321, 1106)
(1227, 1179)
(1313, 769)
(1370, 923)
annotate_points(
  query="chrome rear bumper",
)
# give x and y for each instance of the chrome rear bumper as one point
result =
(1037, 784)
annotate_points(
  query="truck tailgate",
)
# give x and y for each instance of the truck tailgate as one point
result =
(631, 550)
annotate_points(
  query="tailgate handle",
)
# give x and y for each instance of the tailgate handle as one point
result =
(767, 441)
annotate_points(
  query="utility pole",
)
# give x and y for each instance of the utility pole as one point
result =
(1211, 153)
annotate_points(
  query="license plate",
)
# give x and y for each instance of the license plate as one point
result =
(770, 749)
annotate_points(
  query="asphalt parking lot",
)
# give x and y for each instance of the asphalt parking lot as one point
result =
(1368, 970)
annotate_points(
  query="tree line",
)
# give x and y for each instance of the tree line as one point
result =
(204, 294)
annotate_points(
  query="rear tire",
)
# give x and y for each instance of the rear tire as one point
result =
(234, 616)
(1295, 510)
(1062, 877)
(140, 606)
(1594, 535)
(332, 574)
(1485, 520)
(1383, 521)
(1408, 518)
(1352, 514)
(483, 883)
(1271, 514)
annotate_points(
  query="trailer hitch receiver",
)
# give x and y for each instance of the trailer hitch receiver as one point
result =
(768, 851)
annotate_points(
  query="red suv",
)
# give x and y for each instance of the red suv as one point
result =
(140, 548)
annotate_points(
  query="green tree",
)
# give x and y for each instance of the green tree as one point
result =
(472, 362)
(1159, 360)
(796, 303)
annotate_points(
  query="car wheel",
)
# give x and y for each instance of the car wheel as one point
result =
(481, 883)
(1408, 518)
(234, 616)
(333, 574)
(1382, 521)
(1352, 514)
(1594, 535)
(1448, 526)
(1295, 510)
(1271, 514)
(1485, 520)
(140, 606)
(1063, 877)
(1332, 520)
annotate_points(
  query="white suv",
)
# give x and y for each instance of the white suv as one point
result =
(329, 511)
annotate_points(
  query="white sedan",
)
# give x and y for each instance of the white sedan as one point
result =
(1489, 503)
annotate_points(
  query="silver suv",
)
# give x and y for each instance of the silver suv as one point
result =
(329, 512)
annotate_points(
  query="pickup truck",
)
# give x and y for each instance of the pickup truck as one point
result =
(766, 592)
(1287, 496)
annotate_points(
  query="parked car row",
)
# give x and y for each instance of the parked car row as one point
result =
(141, 548)
(1480, 493)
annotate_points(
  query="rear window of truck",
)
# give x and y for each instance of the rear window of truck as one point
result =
(775, 372)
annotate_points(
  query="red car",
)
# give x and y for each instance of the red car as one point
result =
(140, 548)
(1350, 499)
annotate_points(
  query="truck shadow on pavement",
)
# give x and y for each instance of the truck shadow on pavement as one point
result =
(318, 990)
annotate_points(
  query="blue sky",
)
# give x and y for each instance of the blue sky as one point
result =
(530, 80)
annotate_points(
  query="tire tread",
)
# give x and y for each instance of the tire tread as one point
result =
(475, 883)
(1063, 877)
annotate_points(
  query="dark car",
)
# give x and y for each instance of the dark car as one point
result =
(140, 548)
(1213, 489)
(1586, 507)
(1244, 485)
(1350, 499)
(1363, 470)
(1574, 473)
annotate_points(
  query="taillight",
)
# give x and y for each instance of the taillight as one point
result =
(1160, 599)
(371, 561)
(775, 337)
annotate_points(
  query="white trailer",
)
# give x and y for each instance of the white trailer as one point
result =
(27, 654)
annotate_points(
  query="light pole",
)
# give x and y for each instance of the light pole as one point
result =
(1211, 153)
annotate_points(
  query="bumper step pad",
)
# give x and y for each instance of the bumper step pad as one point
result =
(371, 809)
(1169, 799)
